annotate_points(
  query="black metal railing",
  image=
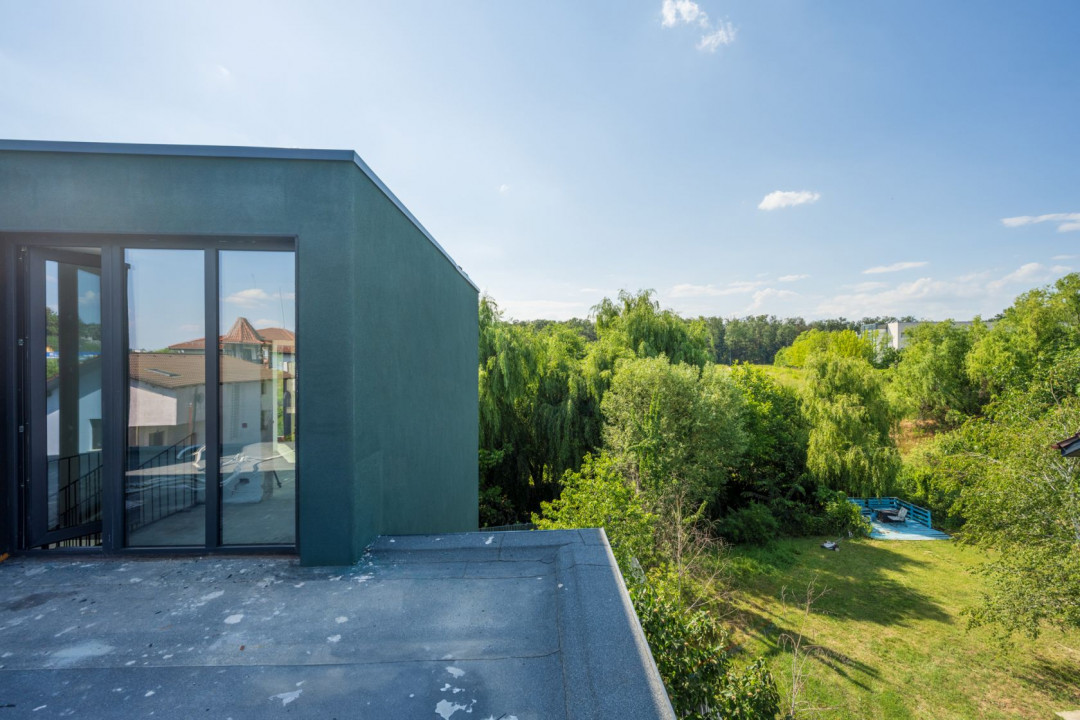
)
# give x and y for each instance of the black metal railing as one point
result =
(163, 485)
(78, 489)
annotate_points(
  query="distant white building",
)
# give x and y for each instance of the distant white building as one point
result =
(895, 333)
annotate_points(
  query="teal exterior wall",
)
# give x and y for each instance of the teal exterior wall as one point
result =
(386, 324)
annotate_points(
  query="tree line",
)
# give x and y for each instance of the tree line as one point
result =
(627, 422)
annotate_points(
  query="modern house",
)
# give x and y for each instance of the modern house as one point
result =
(338, 404)
(274, 346)
(894, 334)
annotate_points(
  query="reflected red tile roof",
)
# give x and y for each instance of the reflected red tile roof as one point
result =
(172, 370)
(244, 333)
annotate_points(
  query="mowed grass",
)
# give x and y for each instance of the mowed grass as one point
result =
(794, 378)
(888, 637)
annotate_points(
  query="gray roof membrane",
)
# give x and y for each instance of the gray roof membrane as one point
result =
(473, 626)
(229, 151)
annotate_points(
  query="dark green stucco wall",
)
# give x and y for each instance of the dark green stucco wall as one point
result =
(387, 327)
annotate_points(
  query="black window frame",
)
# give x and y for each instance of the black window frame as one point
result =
(115, 381)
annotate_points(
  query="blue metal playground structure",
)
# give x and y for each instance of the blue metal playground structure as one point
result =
(917, 526)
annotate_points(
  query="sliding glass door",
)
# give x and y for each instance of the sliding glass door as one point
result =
(165, 473)
(195, 446)
(63, 416)
(257, 361)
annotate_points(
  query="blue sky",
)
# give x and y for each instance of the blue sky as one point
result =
(795, 158)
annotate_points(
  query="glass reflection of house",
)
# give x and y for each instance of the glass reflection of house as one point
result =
(273, 346)
(168, 393)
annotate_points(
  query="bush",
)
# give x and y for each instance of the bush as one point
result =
(599, 496)
(690, 649)
(753, 524)
(838, 516)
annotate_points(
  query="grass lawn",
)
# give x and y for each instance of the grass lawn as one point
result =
(794, 378)
(892, 641)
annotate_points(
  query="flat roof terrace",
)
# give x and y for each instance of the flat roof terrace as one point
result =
(474, 625)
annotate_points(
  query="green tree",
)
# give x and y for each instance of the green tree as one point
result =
(537, 415)
(930, 380)
(1027, 336)
(850, 446)
(844, 343)
(599, 496)
(674, 428)
(773, 467)
(1022, 498)
(636, 322)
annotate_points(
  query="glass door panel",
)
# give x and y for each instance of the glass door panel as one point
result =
(257, 356)
(64, 407)
(165, 474)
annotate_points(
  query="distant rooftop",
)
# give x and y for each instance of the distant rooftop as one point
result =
(473, 626)
(243, 332)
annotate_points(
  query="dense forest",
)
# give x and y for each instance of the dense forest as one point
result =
(680, 435)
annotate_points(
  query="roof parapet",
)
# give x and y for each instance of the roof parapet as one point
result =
(231, 151)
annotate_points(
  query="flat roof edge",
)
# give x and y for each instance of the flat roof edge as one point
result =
(232, 151)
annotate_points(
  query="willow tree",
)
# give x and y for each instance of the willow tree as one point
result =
(813, 342)
(930, 380)
(537, 416)
(850, 446)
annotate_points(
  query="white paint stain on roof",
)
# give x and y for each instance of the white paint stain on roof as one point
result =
(341, 619)
(456, 672)
(212, 596)
(83, 651)
(233, 619)
(286, 697)
(333, 638)
(446, 708)
(490, 540)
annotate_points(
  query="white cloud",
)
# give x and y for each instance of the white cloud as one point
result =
(959, 298)
(922, 297)
(675, 12)
(687, 12)
(895, 267)
(223, 72)
(1031, 274)
(1064, 257)
(544, 309)
(88, 298)
(503, 189)
(792, 278)
(865, 287)
(762, 295)
(688, 290)
(1067, 222)
(787, 198)
(252, 297)
(724, 34)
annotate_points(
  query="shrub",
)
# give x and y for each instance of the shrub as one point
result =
(752, 524)
(599, 496)
(690, 649)
(839, 516)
